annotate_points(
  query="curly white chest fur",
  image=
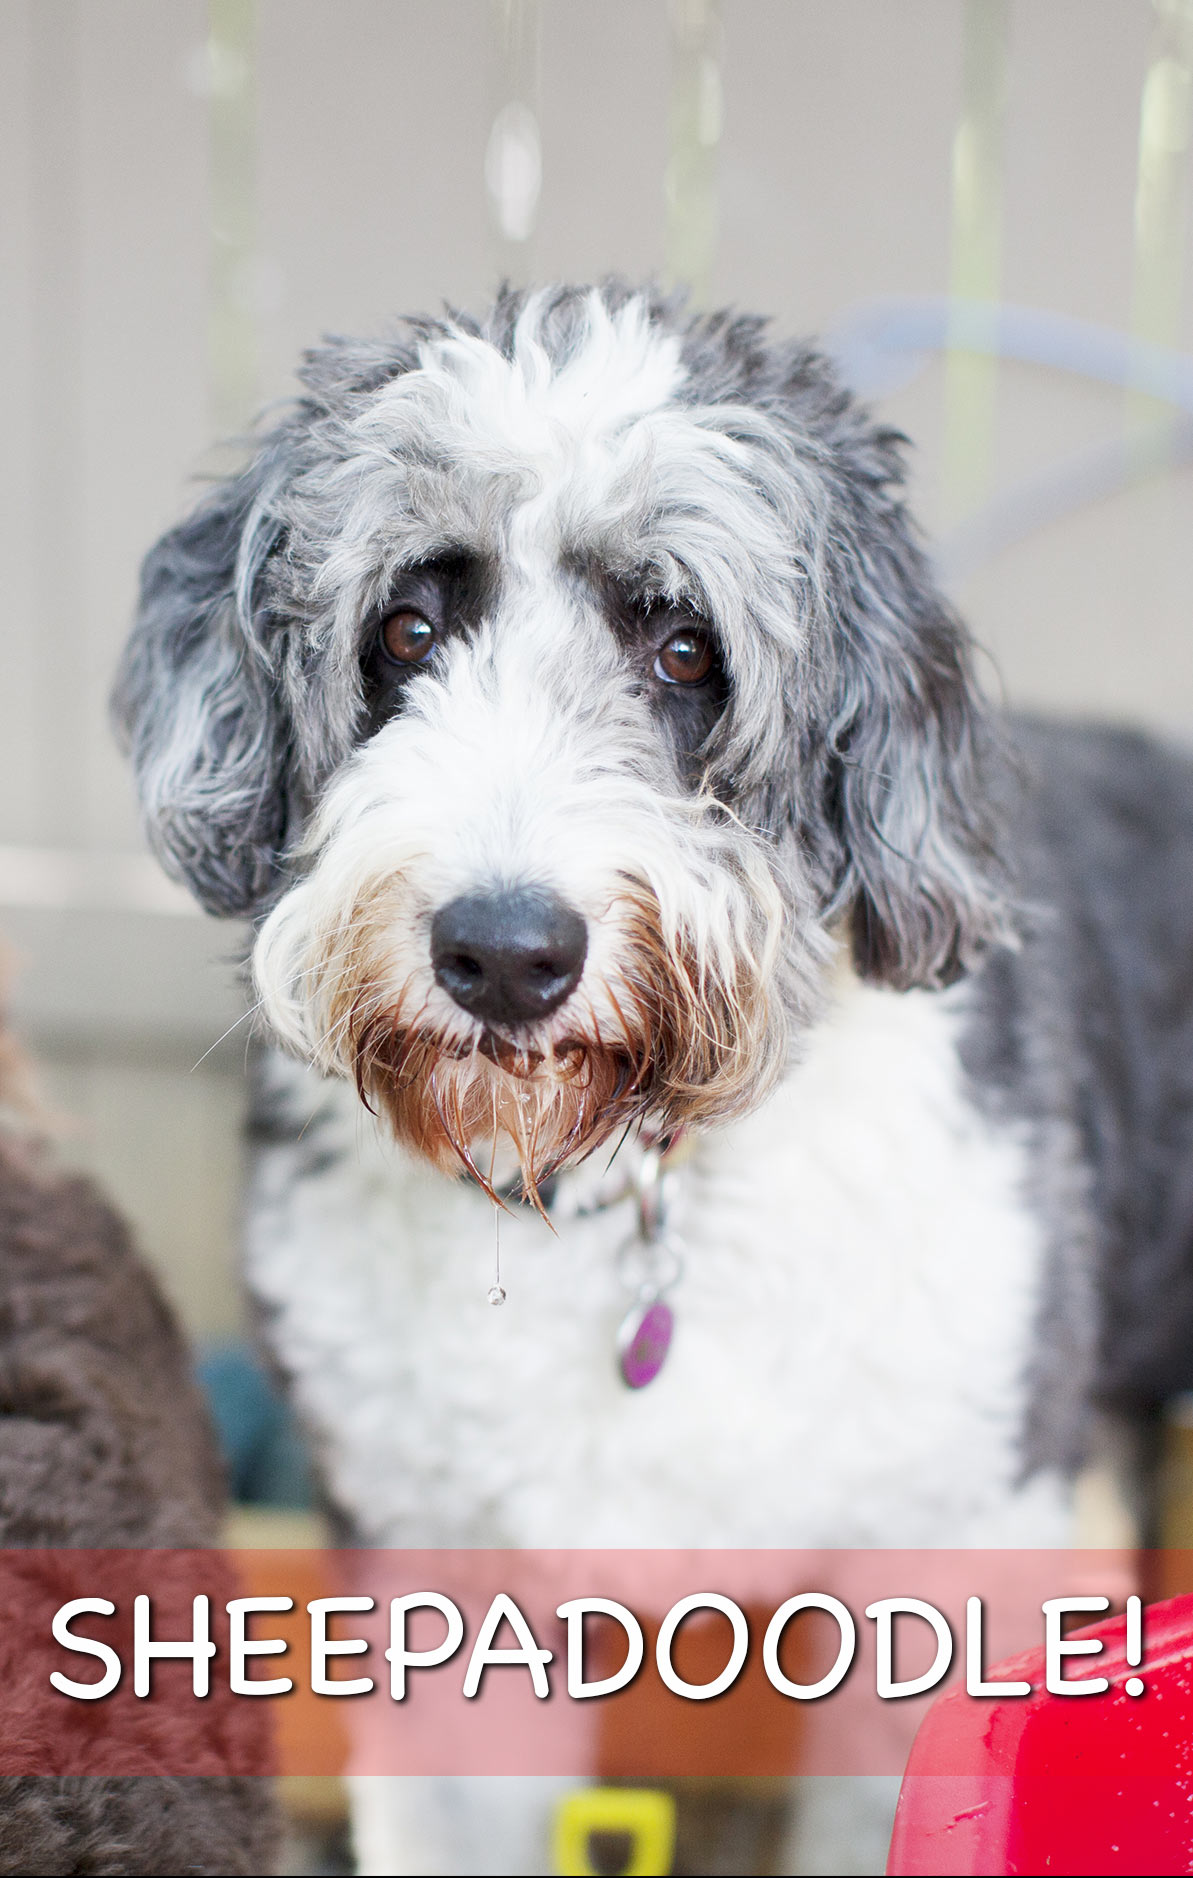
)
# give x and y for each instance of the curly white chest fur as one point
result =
(855, 1321)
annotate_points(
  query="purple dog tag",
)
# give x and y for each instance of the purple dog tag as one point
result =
(643, 1343)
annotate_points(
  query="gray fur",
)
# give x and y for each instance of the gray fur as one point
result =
(854, 742)
(894, 757)
(1086, 1034)
(855, 736)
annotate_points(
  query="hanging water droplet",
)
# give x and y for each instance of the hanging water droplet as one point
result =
(497, 1294)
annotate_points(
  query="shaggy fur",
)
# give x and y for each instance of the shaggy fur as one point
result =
(603, 475)
(1084, 1036)
(757, 490)
(918, 982)
(104, 1442)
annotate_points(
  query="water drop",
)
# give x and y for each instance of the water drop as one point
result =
(497, 1294)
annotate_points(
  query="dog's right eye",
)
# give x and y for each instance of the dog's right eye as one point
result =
(407, 637)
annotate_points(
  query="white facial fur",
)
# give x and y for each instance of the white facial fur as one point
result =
(529, 755)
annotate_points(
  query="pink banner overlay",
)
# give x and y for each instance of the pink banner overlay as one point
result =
(603, 1663)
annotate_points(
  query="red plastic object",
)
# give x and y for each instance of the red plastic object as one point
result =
(1067, 1784)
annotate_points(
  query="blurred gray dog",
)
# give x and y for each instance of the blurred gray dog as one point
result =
(567, 697)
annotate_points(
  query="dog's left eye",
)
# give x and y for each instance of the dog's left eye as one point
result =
(407, 637)
(686, 659)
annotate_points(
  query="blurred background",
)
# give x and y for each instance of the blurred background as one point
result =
(982, 204)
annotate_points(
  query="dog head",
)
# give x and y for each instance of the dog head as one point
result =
(555, 686)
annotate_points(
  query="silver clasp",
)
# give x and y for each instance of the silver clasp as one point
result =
(650, 1193)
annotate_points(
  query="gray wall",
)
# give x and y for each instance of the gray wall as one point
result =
(174, 231)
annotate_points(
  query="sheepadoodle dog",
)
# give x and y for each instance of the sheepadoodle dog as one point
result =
(565, 695)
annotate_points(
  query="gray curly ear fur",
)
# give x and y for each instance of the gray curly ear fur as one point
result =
(900, 766)
(200, 709)
(914, 761)
(894, 766)
(204, 694)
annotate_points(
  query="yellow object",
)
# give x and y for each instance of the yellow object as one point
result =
(644, 1816)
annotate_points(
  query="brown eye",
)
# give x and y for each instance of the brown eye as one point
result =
(686, 659)
(408, 637)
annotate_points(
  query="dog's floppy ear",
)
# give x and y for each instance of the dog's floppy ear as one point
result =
(913, 760)
(201, 695)
(199, 707)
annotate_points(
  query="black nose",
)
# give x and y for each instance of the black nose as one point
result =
(508, 957)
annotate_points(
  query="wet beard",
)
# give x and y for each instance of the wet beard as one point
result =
(683, 1052)
(553, 1106)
